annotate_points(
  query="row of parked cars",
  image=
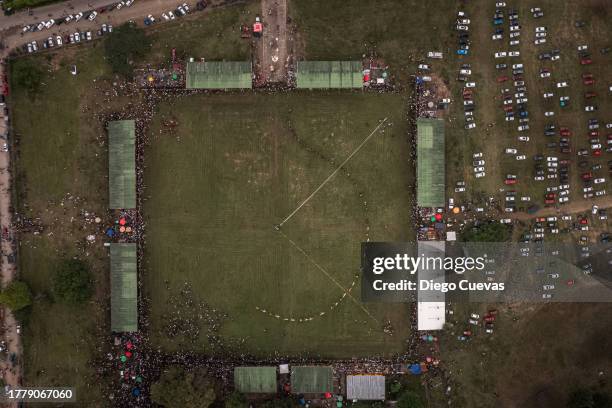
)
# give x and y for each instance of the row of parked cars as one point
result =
(58, 40)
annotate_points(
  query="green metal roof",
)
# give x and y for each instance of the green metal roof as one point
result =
(329, 74)
(124, 288)
(311, 379)
(219, 75)
(250, 380)
(122, 164)
(430, 163)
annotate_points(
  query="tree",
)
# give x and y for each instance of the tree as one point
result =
(125, 45)
(409, 399)
(16, 296)
(487, 232)
(180, 388)
(236, 400)
(27, 74)
(72, 282)
(583, 398)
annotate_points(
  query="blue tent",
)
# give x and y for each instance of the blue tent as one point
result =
(415, 369)
(110, 232)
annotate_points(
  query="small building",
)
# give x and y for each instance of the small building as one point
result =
(219, 75)
(124, 288)
(255, 380)
(311, 379)
(122, 164)
(329, 74)
(365, 387)
(430, 163)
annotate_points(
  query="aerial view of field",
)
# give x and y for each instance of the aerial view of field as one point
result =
(224, 171)
(252, 194)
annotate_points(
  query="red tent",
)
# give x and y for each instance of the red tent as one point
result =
(257, 27)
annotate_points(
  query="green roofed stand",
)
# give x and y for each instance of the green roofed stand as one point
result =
(122, 164)
(430, 163)
(329, 74)
(219, 75)
(255, 380)
(311, 379)
(124, 289)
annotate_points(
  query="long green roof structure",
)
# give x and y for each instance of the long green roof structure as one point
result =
(329, 74)
(430, 163)
(124, 288)
(311, 379)
(255, 380)
(219, 75)
(122, 164)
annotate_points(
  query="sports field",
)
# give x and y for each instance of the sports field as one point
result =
(222, 171)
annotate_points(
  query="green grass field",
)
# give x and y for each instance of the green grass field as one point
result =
(236, 165)
(60, 172)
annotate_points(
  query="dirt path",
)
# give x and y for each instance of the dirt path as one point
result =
(571, 208)
(273, 50)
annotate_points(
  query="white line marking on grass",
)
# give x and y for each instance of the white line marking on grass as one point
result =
(332, 174)
(319, 267)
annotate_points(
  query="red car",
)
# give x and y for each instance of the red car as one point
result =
(570, 282)
(586, 61)
(549, 202)
(502, 79)
(587, 176)
(589, 95)
(597, 152)
(588, 81)
(489, 318)
(510, 181)
(594, 133)
(565, 132)
(508, 108)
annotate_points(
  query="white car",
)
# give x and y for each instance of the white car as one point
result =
(424, 67)
(459, 189)
(470, 85)
(500, 54)
(548, 287)
(165, 17)
(549, 114)
(522, 128)
(462, 27)
(561, 84)
(594, 209)
(120, 5)
(478, 169)
(465, 21)
(522, 100)
(50, 42)
(514, 42)
(546, 295)
(514, 54)
(92, 16)
(515, 28)
(58, 40)
(34, 45)
(540, 29)
(479, 163)
(596, 146)
(519, 95)
(171, 15)
(548, 95)
(583, 47)
(555, 57)
(515, 34)
(540, 41)
(78, 16)
(49, 23)
(186, 7)
(539, 178)
(477, 155)
(465, 72)
(525, 198)
(552, 159)
(88, 36)
(68, 18)
(510, 150)
(77, 37)
(500, 4)
(470, 125)
(521, 157)
(523, 138)
(589, 108)
(599, 180)
(517, 66)
(496, 37)
(30, 49)
(540, 35)
(544, 74)
(480, 175)
(128, 3)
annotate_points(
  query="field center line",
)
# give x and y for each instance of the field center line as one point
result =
(319, 267)
(332, 174)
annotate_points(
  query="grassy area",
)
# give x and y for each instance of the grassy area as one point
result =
(232, 168)
(21, 4)
(60, 175)
(400, 32)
